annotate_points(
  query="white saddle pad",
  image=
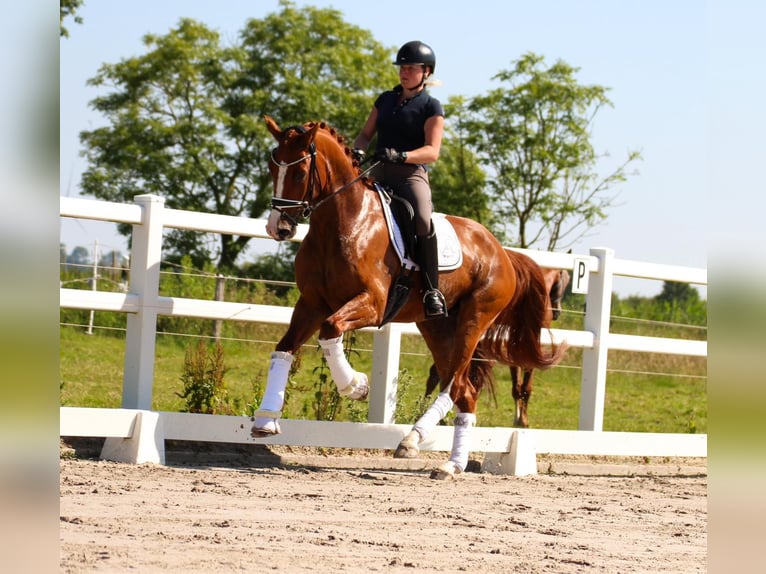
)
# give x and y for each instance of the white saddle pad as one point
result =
(448, 245)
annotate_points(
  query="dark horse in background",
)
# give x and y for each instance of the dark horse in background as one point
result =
(346, 266)
(528, 284)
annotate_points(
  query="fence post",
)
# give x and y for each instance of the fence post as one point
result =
(598, 307)
(385, 372)
(146, 252)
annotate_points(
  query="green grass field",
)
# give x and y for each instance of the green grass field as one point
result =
(644, 393)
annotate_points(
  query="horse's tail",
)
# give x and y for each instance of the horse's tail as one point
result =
(514, 337)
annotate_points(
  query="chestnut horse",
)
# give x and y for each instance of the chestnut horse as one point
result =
(555, 282)
(345, 267)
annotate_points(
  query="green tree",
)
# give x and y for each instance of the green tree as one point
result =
(276, 267)
(69, 8)
(675, 292)
(80, 256)
(533, 134)
(309, 64)
(185, 119)
(681, 303)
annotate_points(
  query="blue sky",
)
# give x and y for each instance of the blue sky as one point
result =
(662, 60)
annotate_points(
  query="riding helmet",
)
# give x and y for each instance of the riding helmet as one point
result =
(416, 52)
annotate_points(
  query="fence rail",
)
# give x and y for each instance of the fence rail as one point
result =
(142, 304)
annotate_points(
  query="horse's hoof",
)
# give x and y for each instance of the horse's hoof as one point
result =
(358, 389)
(265, 428)
(408, 447)
(439, 474)
(406, 451)
(446, 471)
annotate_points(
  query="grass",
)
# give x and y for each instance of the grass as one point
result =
(644, 393)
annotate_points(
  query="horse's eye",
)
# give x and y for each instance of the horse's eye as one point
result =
(299, 176)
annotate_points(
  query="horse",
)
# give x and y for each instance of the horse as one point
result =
(554, 281)
(345, 267)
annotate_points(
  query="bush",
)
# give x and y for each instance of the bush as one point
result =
(203, 379)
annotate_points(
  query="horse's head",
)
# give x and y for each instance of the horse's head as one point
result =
(293, 168)
(556, 293)
(306, 163)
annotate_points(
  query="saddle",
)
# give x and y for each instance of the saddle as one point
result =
(400, 220)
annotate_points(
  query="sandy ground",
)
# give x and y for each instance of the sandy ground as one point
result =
(321, 513)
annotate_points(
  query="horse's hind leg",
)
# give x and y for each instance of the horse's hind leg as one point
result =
(522, 391)
(476, 314)
(459, 393)
(433, 380)
(409, 445)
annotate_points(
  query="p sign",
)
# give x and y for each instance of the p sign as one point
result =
(580, 275)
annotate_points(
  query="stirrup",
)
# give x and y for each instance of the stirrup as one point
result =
(434, 303)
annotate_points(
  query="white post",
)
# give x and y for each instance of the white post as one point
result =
(145, 257)
(385, 373)
(93, 285)
(598, 307)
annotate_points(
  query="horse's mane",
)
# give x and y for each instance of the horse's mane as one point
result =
(324, 126)
(336, 135)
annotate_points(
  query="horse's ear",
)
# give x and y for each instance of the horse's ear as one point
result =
(311, 133)
(273, 127)
(307, 138)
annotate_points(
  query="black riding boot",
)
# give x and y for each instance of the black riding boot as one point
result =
(428, 259)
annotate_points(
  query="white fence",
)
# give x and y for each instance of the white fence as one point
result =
(135, 433)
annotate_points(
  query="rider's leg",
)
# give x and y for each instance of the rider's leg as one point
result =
(426, 250)
(411, 182)
(428, 258)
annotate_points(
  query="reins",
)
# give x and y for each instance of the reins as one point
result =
(311, 208)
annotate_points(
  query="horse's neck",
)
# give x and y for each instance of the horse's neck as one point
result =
(348, 207)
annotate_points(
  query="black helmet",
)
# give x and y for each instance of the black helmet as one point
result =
(416, 52)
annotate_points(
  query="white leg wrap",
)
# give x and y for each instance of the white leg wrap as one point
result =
(349, 382)
(436, 412)
(274, 395)
(464, 423)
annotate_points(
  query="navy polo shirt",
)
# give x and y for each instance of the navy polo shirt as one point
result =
(402, 126)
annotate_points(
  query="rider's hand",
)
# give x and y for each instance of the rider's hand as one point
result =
(391, 155)
(358, 154)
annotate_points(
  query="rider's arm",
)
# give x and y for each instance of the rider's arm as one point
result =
(364, 138)
(429, 153)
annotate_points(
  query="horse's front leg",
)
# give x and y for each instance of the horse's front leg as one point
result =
(304, 322)
(350, 383)
(360, 311)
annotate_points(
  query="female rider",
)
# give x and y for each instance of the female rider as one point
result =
(410, 123)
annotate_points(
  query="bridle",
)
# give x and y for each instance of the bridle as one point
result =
(285, 206)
